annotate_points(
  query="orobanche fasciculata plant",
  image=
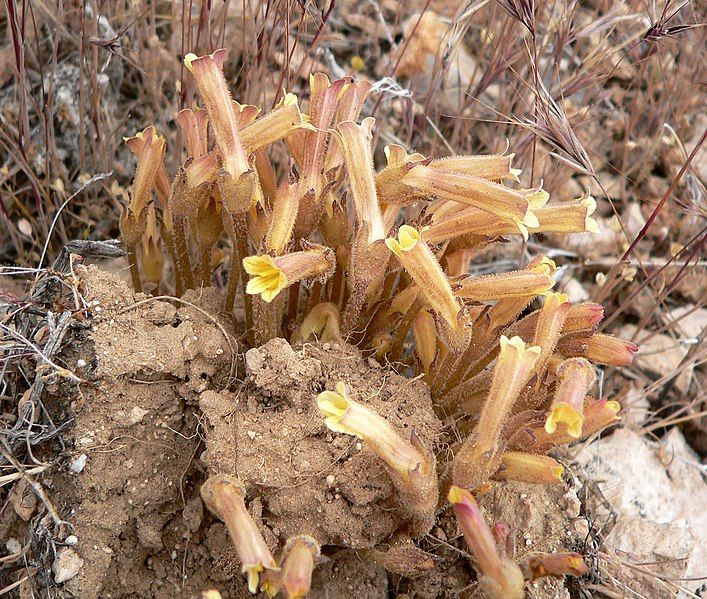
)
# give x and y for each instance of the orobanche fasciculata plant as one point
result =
(324, 245)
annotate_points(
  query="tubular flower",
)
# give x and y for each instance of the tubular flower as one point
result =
(494, 167)
(516, 283)
(479, 456)
(272, 275)
(452, 223)
(274, 126)
(149, 147)
(322, 321)
(425, 338)
(499, 577)
(420, 263)
(284, 215)
(301, 554)
(323, 102)
(506, 203)
(556, 564)
(194, 124)
(583, 316)
(350, 104)
(411, 468)
(549, 326)
(529, 468)
(224, 496)
(571, 217)
(213, 89)
(606, 349)
(355, 141)
(575, 377)
(598, 414)
(505, 311)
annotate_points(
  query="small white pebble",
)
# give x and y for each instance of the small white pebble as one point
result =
(251, 434)
(358, 446)
(97, 308)
(78, 464)
(71, 540)
(330, 480)
(80, 363)
(219, 351)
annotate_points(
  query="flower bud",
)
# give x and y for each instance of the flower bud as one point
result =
(300, 558)
(583, 316)
(494, 167)
(610, 350)
(391, 189)
(356, 147)
(194, 124)
(515, 283)
(529, 468)
(549, 326)
(322, 322)
(149, 147)
(425, 334)
(556, 564)
(499, 578)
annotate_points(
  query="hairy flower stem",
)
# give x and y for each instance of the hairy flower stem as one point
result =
(183, 265)
(205, 265)
(131, 254)
(292, 308)
(401, 332)
(266, 318)
(237, 226)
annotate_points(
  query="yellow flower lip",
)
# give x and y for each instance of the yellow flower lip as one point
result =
(566, 414)
(590, 224)
(407, 239)
(519, 345)
(333, 406)
(268, 278)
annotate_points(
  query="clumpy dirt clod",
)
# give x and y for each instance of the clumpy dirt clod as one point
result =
(310, 481)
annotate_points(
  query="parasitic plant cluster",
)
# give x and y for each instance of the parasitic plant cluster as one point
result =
(324, 245)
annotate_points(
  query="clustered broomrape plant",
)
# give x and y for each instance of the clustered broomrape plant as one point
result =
(334, 249)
